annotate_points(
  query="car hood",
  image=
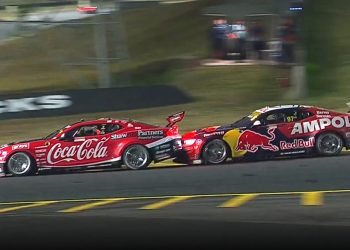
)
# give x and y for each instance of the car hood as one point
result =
(209, 130)
(22, 142)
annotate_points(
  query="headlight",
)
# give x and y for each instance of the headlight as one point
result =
(189, 142)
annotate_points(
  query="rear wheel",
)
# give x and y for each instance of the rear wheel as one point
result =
(215, 152)
(329, 144)
(136, 157)
(21, 164)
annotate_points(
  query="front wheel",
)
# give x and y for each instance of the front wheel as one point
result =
(329, 144)
(215, 152)
(21, 164)
(136, 157)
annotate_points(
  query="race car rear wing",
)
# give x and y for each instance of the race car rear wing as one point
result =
(175, 118)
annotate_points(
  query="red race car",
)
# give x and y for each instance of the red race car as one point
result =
(87, 9)
(281, 131)
(93, 143)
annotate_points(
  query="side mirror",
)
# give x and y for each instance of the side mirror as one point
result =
(257, 123)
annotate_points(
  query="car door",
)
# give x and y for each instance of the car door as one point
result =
(279, 124)
(80, 146)
(262, 137)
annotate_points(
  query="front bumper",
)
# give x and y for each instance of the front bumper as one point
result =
(183, 157)
(2, 169)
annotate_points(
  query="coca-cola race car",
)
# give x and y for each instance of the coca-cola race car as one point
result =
(87, 9)
(290, 130)
(92, 143)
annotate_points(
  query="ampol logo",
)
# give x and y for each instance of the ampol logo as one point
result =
(251, 141)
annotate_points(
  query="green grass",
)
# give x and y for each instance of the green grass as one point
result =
(26, 2)
(222, 95)
(327, 37)
(155, 35)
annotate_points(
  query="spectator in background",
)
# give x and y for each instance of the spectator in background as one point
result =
(242, 38)
(288, 39)
(257, 34)
(218, 37)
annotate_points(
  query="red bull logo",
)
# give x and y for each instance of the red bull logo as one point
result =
(251, 141)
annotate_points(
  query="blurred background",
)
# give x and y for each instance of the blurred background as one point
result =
(229, 56)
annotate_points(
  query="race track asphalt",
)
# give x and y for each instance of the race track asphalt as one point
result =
(266, 176)
(275, 205)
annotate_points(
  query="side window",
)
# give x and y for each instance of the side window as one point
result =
(303, 114)
(89, 130)
(109, 128)
(93, 130)
(275, 118)
(291, 115)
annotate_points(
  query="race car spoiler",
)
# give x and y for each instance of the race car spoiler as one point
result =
(175, 118)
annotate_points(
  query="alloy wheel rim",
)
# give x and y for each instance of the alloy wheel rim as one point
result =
(19, 163)
(330, 144)
(215, 152)
(136, 157)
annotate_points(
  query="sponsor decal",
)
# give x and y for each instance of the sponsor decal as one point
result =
(40, 150)
(117, 137)
(322, 112)
(297, 143)
(251, 141)
(320, 124)
(89, 149)
(35, 103)
(163, 151)
(162, 156)
(323, 116)
(150, 134)
(214, 133)
(293, 152)
(163, 146)
(20, 146)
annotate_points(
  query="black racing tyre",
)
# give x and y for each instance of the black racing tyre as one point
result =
(21, 164)
(329, 144)
(215, 152)
(136, 157)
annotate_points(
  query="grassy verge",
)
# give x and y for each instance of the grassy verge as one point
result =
(223, 94)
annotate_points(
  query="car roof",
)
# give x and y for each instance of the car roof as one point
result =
(279, 107)
(108, 121)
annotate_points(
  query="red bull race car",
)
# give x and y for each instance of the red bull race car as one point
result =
(281, 131)
(94, 143)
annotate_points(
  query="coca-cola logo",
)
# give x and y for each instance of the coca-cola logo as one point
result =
(89, 149)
